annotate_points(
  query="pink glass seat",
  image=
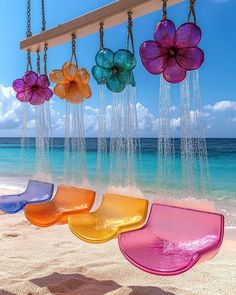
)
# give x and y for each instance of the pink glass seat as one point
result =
(173, 240)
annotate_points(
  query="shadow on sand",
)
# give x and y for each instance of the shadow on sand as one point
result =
(69, 283)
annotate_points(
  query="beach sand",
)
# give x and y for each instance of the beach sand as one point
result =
(53, 261)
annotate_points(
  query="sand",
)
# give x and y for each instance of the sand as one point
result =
(53, 261)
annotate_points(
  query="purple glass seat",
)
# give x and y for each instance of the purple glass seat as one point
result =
(36, 192)
(173, 240)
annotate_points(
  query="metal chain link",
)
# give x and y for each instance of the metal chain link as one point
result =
(45, 58)
(28, 30)
(38, 62)
(130, 37)
(29, 62)
(43, 16)
(192, 11)
(28, 35)
(73, 48)
(101, 36)
(164, 9)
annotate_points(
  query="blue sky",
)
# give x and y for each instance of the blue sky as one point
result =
(217, 75)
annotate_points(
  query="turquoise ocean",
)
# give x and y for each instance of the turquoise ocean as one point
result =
(221, 156)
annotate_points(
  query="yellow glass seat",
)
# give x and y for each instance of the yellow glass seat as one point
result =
(117, 214)
(67, 201)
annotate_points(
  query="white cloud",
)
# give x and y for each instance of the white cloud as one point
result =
(90, 119)
(146, 120)
(11, 112)
(221, 106)
(175, 122)
(11, 116)
(10, 109)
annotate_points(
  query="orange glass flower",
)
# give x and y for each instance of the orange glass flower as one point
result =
(72, 83)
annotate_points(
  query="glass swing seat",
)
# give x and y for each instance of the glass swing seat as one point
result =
(115, 215)
(173, 240)
(36, 192)
(67, 201)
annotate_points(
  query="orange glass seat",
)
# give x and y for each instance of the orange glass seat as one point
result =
(116, 214)
(67, 201)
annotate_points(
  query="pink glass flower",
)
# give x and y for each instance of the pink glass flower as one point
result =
(173, 52)
(33, 88)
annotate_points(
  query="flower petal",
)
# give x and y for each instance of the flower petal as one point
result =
(124, 76)
(165, 33)
(30, 78)
(45, 93)
(115, 85)
(188, 35)
(152, 49)
(61, 90)
(173, 72)
(82, 76)
(124, 59)
(57, 77)
(105, 58)
(132, 81)
(75, 95)
(87, 92)
(19, 85)
(70, 71)
(22, 97)
(190, 58)
(36, 98)
(157, 65)
(43, 81)
(101, 75)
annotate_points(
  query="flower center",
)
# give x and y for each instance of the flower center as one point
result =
(73, 84)
(173, 51)
(34, 88)
(114, 70)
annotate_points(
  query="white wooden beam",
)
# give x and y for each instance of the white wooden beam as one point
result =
(111, 15)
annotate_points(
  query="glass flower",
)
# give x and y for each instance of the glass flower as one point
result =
(174, 52)
(33, 88)
(72, 83)
(114, 69)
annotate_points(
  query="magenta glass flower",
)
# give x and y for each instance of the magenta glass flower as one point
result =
(33, 88)
(173, 52)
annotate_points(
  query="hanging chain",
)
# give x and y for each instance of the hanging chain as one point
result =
(130, 37)
(29, 62)
(28, 35)
(73, 48)
(101, 36)
(45, 58)
(192, 11)
(28, 32)
(43, 16)
(38, 62)
(164, 9)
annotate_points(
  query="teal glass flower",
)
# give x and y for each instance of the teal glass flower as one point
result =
(114, 69)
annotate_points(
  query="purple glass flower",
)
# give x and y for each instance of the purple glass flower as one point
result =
(174, 52)
(33, 88)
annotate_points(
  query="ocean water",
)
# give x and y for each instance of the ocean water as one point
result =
(221, 155)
